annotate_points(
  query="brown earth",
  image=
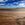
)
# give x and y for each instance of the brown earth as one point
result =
(10, 17)
(7, 18)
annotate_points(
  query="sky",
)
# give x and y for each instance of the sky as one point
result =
(12, 3)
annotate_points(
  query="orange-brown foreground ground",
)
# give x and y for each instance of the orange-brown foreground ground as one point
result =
(11, 17)
(7, 18)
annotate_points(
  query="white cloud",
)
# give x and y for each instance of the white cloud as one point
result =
(2, 4)
(15, 2)
(3, 0)
(21, 5)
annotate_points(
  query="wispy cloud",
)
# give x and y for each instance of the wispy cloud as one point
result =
(14, 5)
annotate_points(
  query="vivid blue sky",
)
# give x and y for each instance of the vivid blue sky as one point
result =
(12, 3)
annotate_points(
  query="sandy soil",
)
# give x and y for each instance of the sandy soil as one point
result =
(9, 17)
